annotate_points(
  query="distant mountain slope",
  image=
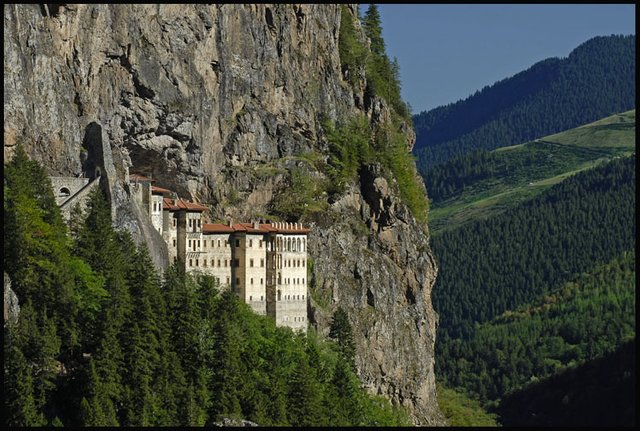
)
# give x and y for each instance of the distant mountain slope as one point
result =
(585, 318)
(483, 184)
(596, 79)
(602, 392)
(490, 266)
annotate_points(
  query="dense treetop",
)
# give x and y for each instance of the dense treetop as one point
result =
(102, 340)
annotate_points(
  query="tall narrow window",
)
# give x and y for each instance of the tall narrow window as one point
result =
(251, 263)
(250, 243)
(218, 243)
(261, 263)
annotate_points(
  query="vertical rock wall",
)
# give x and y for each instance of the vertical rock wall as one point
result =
(217, 102)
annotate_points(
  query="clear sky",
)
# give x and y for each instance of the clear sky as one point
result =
(446, 51)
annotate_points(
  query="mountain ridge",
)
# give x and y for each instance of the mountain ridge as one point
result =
(595, 80)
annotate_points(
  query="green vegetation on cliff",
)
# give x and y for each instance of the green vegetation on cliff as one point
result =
(354, 141)
(102, 341)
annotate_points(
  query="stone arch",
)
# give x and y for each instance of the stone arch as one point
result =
(64, 192)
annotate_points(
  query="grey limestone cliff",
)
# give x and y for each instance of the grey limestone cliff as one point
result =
(219, 102)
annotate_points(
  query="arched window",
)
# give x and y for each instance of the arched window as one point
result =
(298, 245)
(64, 192)
(279, 295)
(304, 244)
(288, 244)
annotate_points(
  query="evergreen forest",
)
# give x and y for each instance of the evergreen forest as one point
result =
(541, 290)
(596, 79)
(103, 340)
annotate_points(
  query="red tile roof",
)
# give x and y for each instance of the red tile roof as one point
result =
(191, 206)
(167, 204)
(156, 189)
(216, 228)
(249, 228)
(138, 177)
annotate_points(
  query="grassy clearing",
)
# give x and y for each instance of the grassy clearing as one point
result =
(535, 166)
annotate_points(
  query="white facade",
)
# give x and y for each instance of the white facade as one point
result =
(265, 264)
(217, 257)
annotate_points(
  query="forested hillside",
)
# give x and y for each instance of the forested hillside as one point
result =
(596, 79)
(102, 341)
(544, 287)
(494, 265)
(482, 183)
(578, 322)
(599, 393)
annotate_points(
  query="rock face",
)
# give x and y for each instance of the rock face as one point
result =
(218, 102)
(11, 306)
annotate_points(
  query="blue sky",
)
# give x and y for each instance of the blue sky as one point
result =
(447, 51)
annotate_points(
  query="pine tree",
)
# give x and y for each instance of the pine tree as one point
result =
(304, 396)
(372, 25)
(19, 403)
(340, 330)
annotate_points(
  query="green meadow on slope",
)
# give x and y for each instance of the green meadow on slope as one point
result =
(483, 184)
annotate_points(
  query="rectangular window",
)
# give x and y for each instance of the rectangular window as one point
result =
(198, 222)
(261, 263)
(237, 243)
(213, 262)
(174, 242)
(250, 243)
(190, 262)
(250, 298)
(189, 243)
(251, 263)
(261, 297)
(197, 262)
(225, 263)
(218, 243)
(260, 244)
(261, 281)
(198, 243)
(174, 222)
(251, 280)
(190, 222)
(237, 281)
(227, 277)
